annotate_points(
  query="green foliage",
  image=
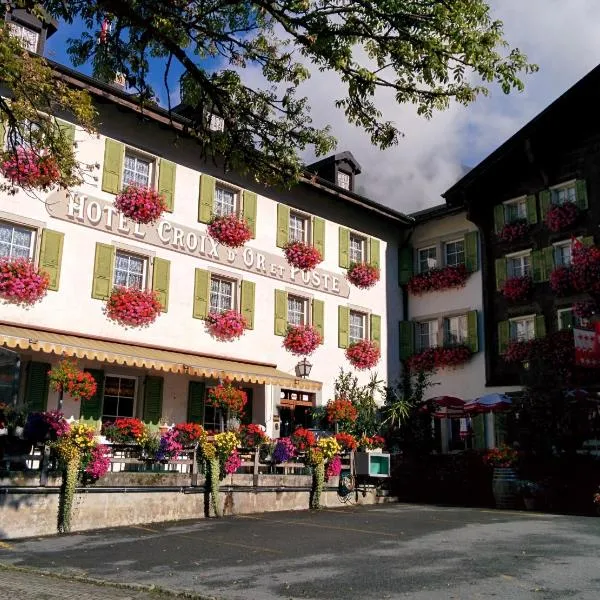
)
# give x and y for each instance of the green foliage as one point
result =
(68, 487)
(213, 479)
(318, 482)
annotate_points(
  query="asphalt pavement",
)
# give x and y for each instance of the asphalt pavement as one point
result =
(394, 551)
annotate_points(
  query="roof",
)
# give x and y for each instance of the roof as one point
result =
(346, 155)
(435, 212)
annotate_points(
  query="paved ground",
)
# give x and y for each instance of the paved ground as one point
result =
(387, 552)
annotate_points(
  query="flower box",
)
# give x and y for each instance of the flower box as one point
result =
(141, 204)
(226, 326)
(517, 288)
(560, 281)
(561, 216)
(363, 275)
(363, 355)
(302, 340)
(21, 282)
(444, 278)
(512, 232)
(302, 256)
(585, 268)
(132, 307)
(30, 169)
(441, 357)
(518, 352)
(230, 230)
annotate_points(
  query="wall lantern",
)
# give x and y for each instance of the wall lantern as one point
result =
(303, 368)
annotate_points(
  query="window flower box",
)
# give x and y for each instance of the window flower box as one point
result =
(431, 359)
(30, 169)
(444, 278)
(302, 340)
(514, 231)
(518, 351)
(517, 288)
(141, 204)
(125, 430)
(561, 216)
(363, 275)
(363, 355)
(230, 230)
(585, 268)
(560, 281)
(226, 326)
(301, 255)
(21, 282)
(132, 307)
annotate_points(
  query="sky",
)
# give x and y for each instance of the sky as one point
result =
(561, 36)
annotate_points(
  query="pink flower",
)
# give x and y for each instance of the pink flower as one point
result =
(334, 467)
(230, 230)
(132, 307)
(302, 256)
(438, 279)
(363, 275)
(226, 326)
(20, 281)
(364, 354)
(561, 216)
(233, 462)
(517, 288)
(432, 359)
(141, 204)
(29, 168)
(302, 340)
(99, 463)
(513, 231)
(560, 280)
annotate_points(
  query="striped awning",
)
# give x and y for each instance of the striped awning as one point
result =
(156, 359)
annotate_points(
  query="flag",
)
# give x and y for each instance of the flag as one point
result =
(587, 347)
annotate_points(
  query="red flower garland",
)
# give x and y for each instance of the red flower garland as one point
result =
(438, 279)
(230, 230)
(514, 231)
(363, 355)
(66, 377)
(561, 216)
(226, 326)
(132, 307)
(439, 358)
(341, 410)
(517, 288)
(347, 441)
(30, 169)
(228, 398)
(302, 340)
(560, 281)
(303, 439)
(20, 281)
(363, 275)
(302, 256)
(141, 204)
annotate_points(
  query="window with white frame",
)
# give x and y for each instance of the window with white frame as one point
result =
(515, 210)
(222, 294)
(130, 270)
(119, 397)
(297, 310)
(358, 326)
(225, 201)
(343, 180)
(562, 254)
(28, 38)
(16, 241)
(563, 194)
(137, 170)
(357, 248)
(519, 265)
(426, 335)
(567, 319)
(427, 258)
(298, 227)
(455, 253)
(455, 330)
(522, 329)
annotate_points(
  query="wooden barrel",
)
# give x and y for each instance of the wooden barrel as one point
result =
(504, 486)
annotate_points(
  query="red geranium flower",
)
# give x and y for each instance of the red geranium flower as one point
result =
(20, 281)
(518, 351)
(363, 275)
(303, 439)
(141, 204)
(560, 281)
(66, 377)
(226, 326)
(132, 307)
(228, 398)
(514, 231)
(346, 441)
(363, 355)
(302, 340)
(230, 230)
(439, 358)
(585, 268)
(438, 279)
(561, 216)
(302, 256)
(341, 410)
(517, 288)
(29, 168)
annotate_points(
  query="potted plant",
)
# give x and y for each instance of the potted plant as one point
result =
(560, 281)
(439, 279)
(301, 255)
(528, 491)
(561, 216)
(513, 231)
(30, 168)
(21, 282)
(341, 413)
(141, 204)
(504, 482)
(229, 400)
(363, 354)
(230, 230)
(363, 275)
(132, 307)
(226, 326)
(66, 377)
(517, 288)
(302, 340)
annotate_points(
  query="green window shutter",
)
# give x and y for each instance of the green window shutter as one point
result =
(344, 250)
(473, 331)
(501, 272)
(51, 249)
(499, 221)
(374, 250)
(500, 429)
(281, 309)
(112, 172)
(319, 235)
(544, 203)
(407, 339)
(318, 317)
(565, 319)
(587, 241)
(92, 408)
(161, 276)
(539, 266)
(67, 131)
(195, 406)
(405, 265)
(166, 182)
(343, 326)
(540, 326)
(478, 424)
(548, 259)
(531, 210)
(581, 194)
(249, 210)
(375, 329)
(102, 282)
(247, 302)
(283, 225)
(206, 198)
(153, 399)
(201, 294)
(472, 251)
(503, 336)
(2, 133)
(36, 386)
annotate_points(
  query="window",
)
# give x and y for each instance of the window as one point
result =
(562, 254)
(358, 326)
(137, 170)
(455, 330)
(518, 266)
(343, 180)
(27, 37)
(119, 397)
(515, 210)
(427, 259)
(16, 241)
(297, 310)
(426, 335)
(455, 253)
(130, 270)
(357, 248)
(522, 329)
(298, 228)
(225, 202)
(564, 194)
(567, 319)
(216, 123)
(221, 294)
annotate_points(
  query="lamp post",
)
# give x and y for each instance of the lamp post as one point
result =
(303, 368)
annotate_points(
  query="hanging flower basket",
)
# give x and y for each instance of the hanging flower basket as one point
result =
(341, 410)
(363, 275)
(517, 288)
(302, 340)
(141, 204)
(66, 377)
(20, 282)
(432, 359)
(230, 230)
(511, 232)
(228, 398)
(560, 281)
(561, 217)
(302, 256)
(517, 352)
(363, 355)
(28, 168)
(444, 278)
(132, 307)
(226, 326)
(347, 441)
(585, 268)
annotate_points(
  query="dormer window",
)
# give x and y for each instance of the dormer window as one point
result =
(343, 180)
(28, 38)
